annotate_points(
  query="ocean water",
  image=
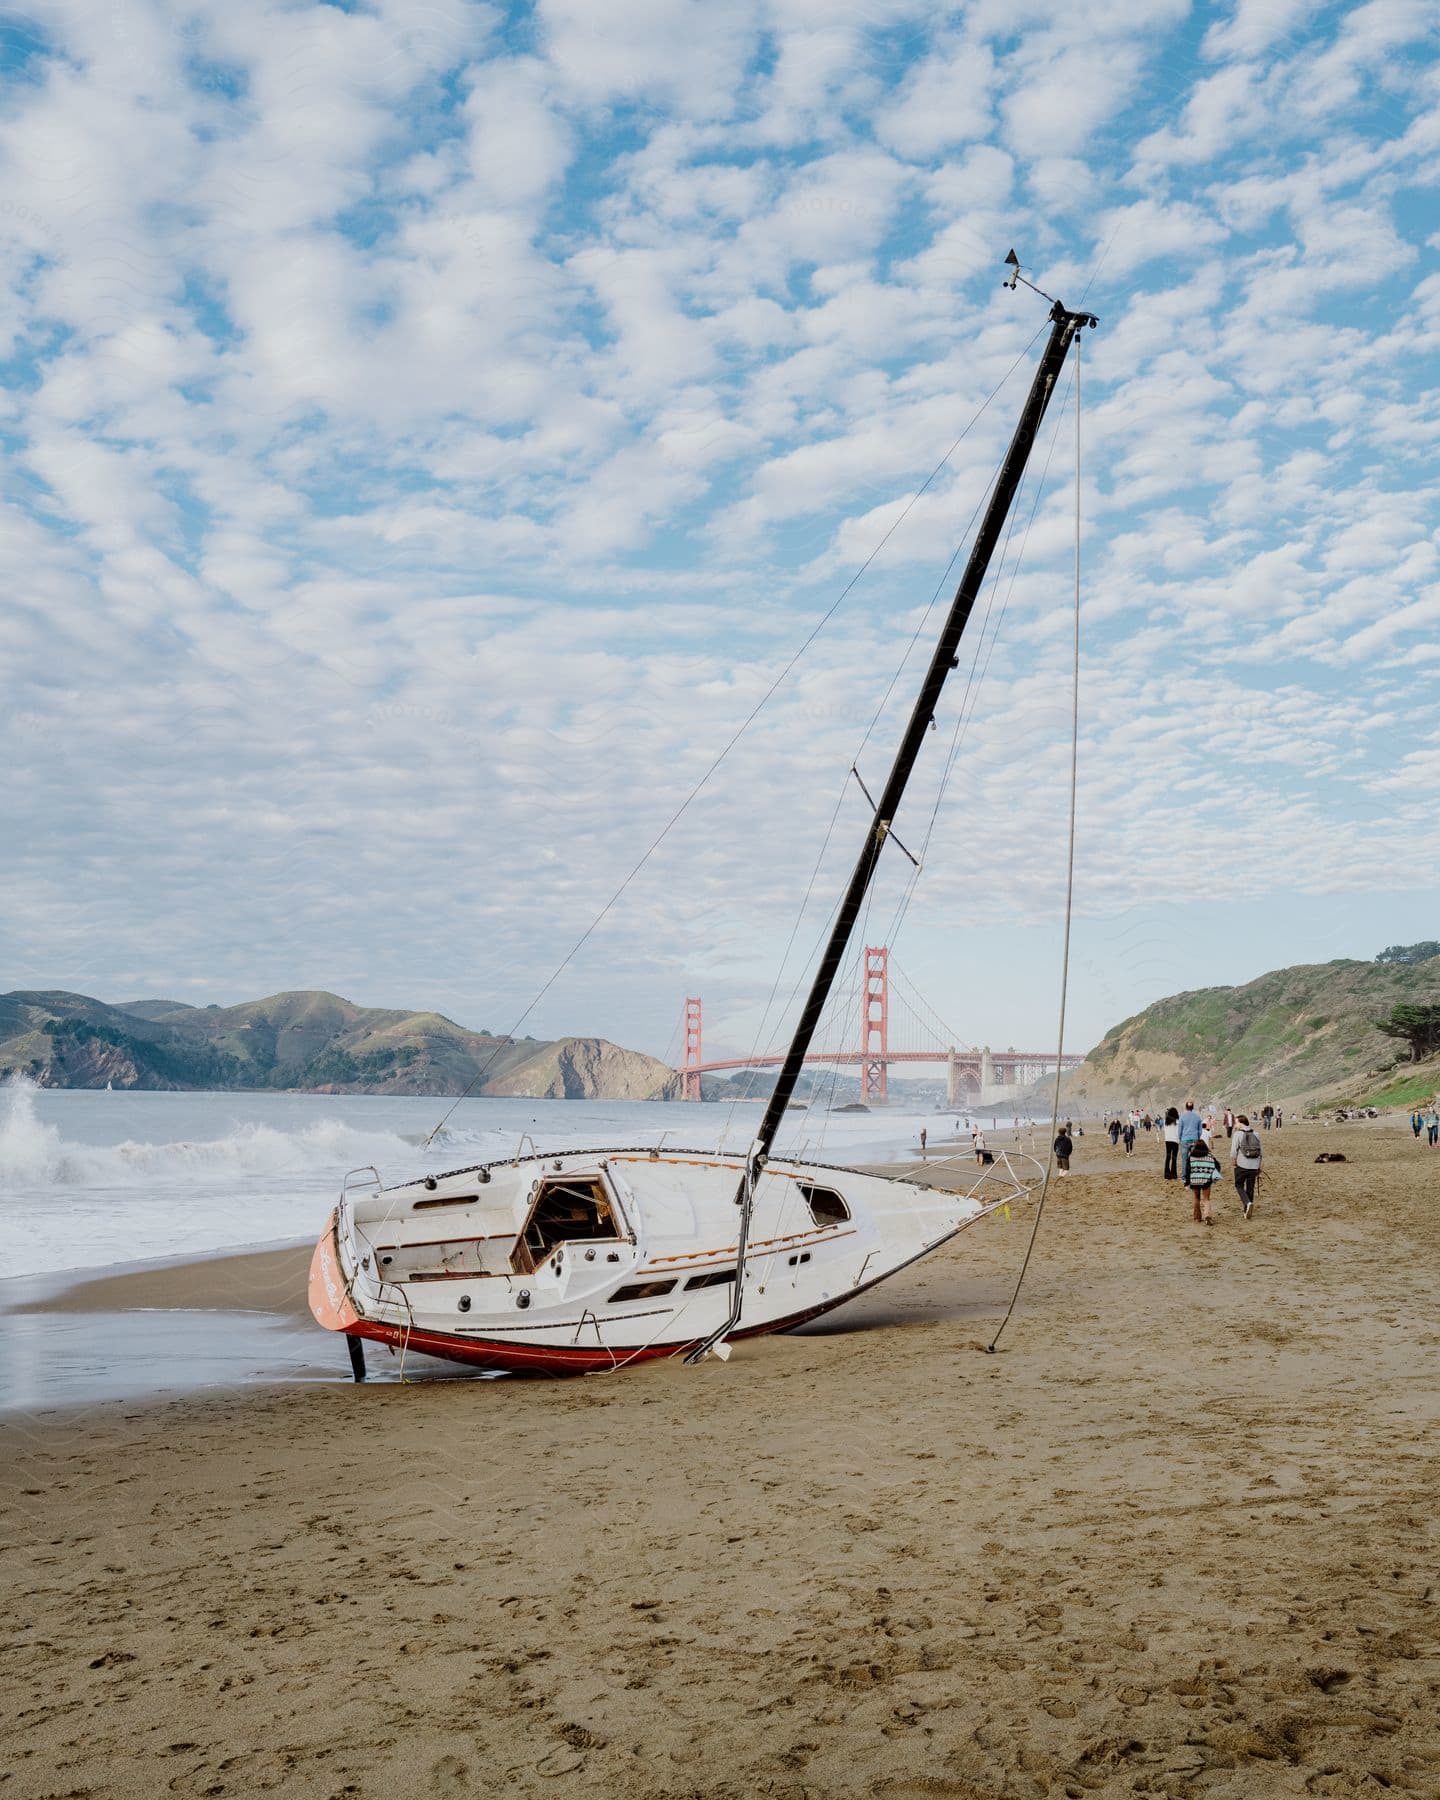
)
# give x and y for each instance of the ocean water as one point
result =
(94, 1181)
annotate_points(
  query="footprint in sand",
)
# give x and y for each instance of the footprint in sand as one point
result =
(559, 1762)
(451, 1776)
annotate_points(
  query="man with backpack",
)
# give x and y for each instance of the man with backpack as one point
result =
(1245, 1150)
(1192, 1129)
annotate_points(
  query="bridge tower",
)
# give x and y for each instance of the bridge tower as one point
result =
(690, 1067)
(875, 1044)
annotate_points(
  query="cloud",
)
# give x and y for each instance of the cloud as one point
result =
(947, 100)
(1222, 111)
(1133, 235)
(431, 434)
(1064, 97)
(1255, 26)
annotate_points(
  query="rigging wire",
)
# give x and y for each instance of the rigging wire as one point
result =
(763, 1026)
(1069, 885)
(853, 771)
(964, 717)
(854, 996)
(744, 726)
(985, 649)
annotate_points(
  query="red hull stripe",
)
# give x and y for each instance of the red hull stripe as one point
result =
(554, 1359)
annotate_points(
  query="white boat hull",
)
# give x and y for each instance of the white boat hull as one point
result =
(593, 1260)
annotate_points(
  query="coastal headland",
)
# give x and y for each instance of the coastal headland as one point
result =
(306, 1041)
(1177, 1537)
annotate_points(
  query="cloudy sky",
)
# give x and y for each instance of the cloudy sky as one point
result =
(432, 428)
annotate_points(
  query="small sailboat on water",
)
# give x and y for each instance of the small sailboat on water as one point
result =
(592, 1260)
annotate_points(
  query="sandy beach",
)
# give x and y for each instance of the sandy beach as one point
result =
(1177, 1538)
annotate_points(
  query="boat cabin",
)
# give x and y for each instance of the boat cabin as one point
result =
(452, 1234)
(565, 1209)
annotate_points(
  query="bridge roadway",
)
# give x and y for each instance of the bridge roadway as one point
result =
(1009, 1065)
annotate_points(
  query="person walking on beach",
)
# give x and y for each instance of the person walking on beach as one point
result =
(1114, 1130)
(978, 1139)
(924, 1136)
(1417, 1124)
(1171, 1133)
(1064, 1148)
(1267, 1115)
(1129, 1136)
(1245, 1151)
(1201, 1173)
(1279, 1118)
(1432, 1125)
(1192, 1130)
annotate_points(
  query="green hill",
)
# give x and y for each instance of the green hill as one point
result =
(305, 1040)
(1303, 1033)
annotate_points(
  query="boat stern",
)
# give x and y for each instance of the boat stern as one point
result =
(329, 1296)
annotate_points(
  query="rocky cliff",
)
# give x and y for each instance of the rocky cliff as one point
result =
(588, 1068)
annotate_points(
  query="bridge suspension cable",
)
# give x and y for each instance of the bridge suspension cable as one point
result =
(877, 1018)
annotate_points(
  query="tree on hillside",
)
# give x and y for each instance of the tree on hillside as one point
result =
(1410, 953)
(1418, 1025)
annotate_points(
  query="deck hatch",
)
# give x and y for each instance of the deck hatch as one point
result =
(566, 1209)
(827, 1207)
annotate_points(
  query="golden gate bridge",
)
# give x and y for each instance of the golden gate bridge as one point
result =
(895, 1026)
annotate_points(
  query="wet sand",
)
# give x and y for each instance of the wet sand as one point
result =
(1178, 1537)
(271, 1281)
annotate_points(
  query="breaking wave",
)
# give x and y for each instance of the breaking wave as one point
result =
(33, 1154)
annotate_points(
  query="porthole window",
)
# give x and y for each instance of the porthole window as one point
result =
(642, 1290)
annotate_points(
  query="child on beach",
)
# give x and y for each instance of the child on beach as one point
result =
(1201, 1175)
(1064, 1149)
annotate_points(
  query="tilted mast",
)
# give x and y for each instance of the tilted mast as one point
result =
(1064, 325)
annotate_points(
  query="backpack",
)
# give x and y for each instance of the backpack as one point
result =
(1250, 1144)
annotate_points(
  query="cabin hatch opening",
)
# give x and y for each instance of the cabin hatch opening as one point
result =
(826, 1206)
(566, 1208)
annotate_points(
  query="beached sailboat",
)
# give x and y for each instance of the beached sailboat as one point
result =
(592, 1260)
